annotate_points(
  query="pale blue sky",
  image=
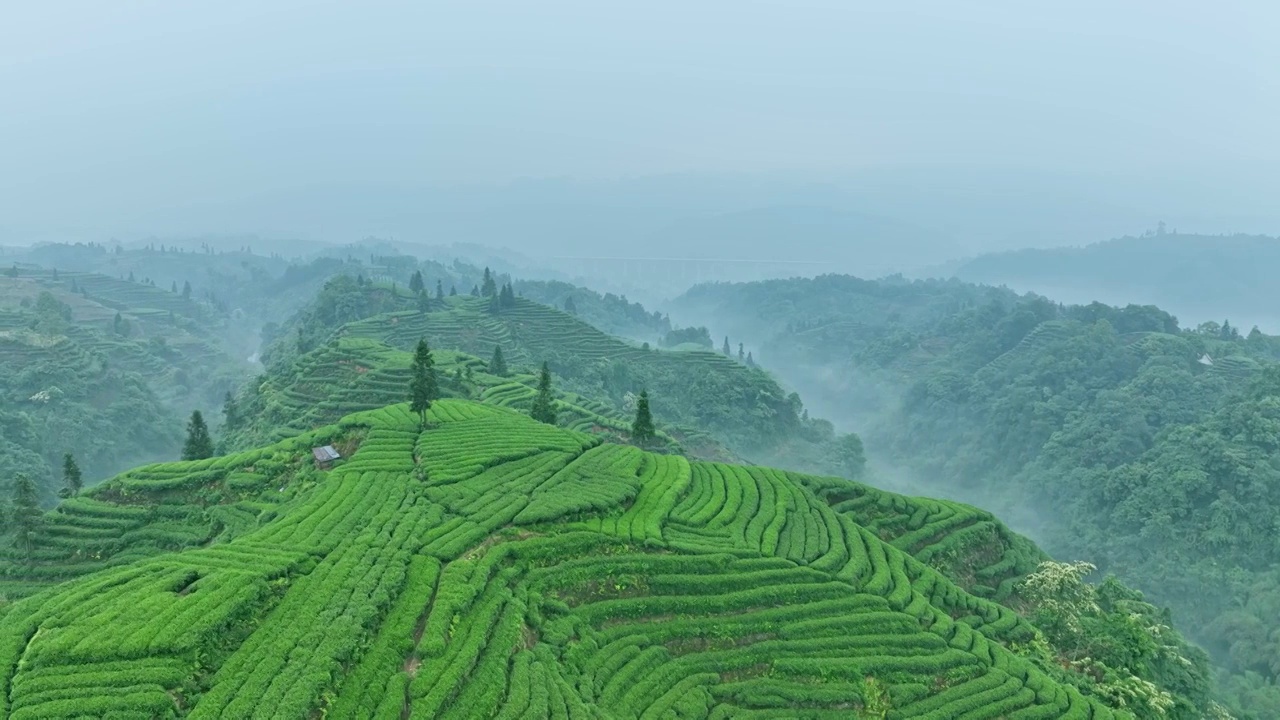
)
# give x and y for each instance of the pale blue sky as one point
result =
(154, 115)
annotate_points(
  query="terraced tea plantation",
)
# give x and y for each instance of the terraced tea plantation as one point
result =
(743, 407)
(351, 374)
(171, 339)
(492, 566)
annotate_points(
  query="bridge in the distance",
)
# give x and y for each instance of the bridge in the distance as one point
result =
(690, 270)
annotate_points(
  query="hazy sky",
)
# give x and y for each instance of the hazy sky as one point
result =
(114, 113)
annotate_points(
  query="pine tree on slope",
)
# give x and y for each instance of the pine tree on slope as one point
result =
(71, 476)
(199, 444)
(423, 386)
(544, 409)
(498, 364)
(230, 415)
(642, 432)
(26, 513)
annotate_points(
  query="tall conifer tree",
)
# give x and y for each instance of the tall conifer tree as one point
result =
(230, 415)
(424, 387)
(199, 444)
(642, 431)
(544, 407)
(26, 514)
(497, 364)
(71, 476)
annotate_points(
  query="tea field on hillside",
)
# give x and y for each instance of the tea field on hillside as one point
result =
(491, 566)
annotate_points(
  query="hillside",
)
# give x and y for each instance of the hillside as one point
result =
(489, 565)
(607, 312)
(223, 284)
(1114, 434)
(702, 398)
(103, 368)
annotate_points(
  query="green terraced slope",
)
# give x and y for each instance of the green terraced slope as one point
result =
(492, 566)
(171, 340)
(350, 374)
(105, 370)
(712, 405)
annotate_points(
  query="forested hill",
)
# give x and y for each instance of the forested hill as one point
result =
(477, 563)
(705, 400)
(1133, 443)
(104, 369)
(1199, 277)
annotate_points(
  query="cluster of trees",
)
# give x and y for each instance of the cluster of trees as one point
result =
(504, 299)
(23, 514)
(742, 357)
(1116, 644)
(424, 388)
(417, 286)
(693, 335)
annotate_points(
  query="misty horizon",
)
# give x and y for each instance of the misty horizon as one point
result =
(980, 128)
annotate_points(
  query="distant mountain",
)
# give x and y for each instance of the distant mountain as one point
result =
(1197, 277)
